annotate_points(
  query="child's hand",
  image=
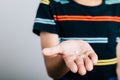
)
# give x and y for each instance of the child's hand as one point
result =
(77, 54)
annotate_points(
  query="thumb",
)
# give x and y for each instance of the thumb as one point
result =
(52, 51)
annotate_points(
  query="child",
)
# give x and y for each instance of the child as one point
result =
(79, 38)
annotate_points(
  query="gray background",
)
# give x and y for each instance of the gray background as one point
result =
(20, 55)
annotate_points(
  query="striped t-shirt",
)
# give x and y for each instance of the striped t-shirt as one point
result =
(98, 25)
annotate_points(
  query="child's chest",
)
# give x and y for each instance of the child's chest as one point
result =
(89, 29)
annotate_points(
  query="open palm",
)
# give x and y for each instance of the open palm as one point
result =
(77, 54)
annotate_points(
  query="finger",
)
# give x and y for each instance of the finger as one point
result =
(93, 56)
(87, 52)
(88, 64)
(52, 51)
(80, 63)
(69, 60)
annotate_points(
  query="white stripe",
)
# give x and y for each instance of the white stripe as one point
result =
(45, 21)
(89, 40)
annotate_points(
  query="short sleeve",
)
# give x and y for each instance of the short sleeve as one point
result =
(44, 20)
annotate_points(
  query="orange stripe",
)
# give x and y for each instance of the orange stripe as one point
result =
(87, 18)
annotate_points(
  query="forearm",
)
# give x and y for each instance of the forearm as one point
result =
(118, 60)
(55, 53)
(118, 72)
(55, 65)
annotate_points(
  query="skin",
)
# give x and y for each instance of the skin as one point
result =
(89, 2)
(53, 63)
(118, 58)
(60, 57)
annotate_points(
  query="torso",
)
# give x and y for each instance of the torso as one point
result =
(98, 25)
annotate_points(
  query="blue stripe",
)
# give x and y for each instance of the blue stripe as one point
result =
(89, 39)
(109, 2)
(62, 1)
(45, 21)
(117, 39)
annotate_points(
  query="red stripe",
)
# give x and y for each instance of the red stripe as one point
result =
(86, 18)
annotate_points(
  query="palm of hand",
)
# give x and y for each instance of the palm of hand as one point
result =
(77, 54)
